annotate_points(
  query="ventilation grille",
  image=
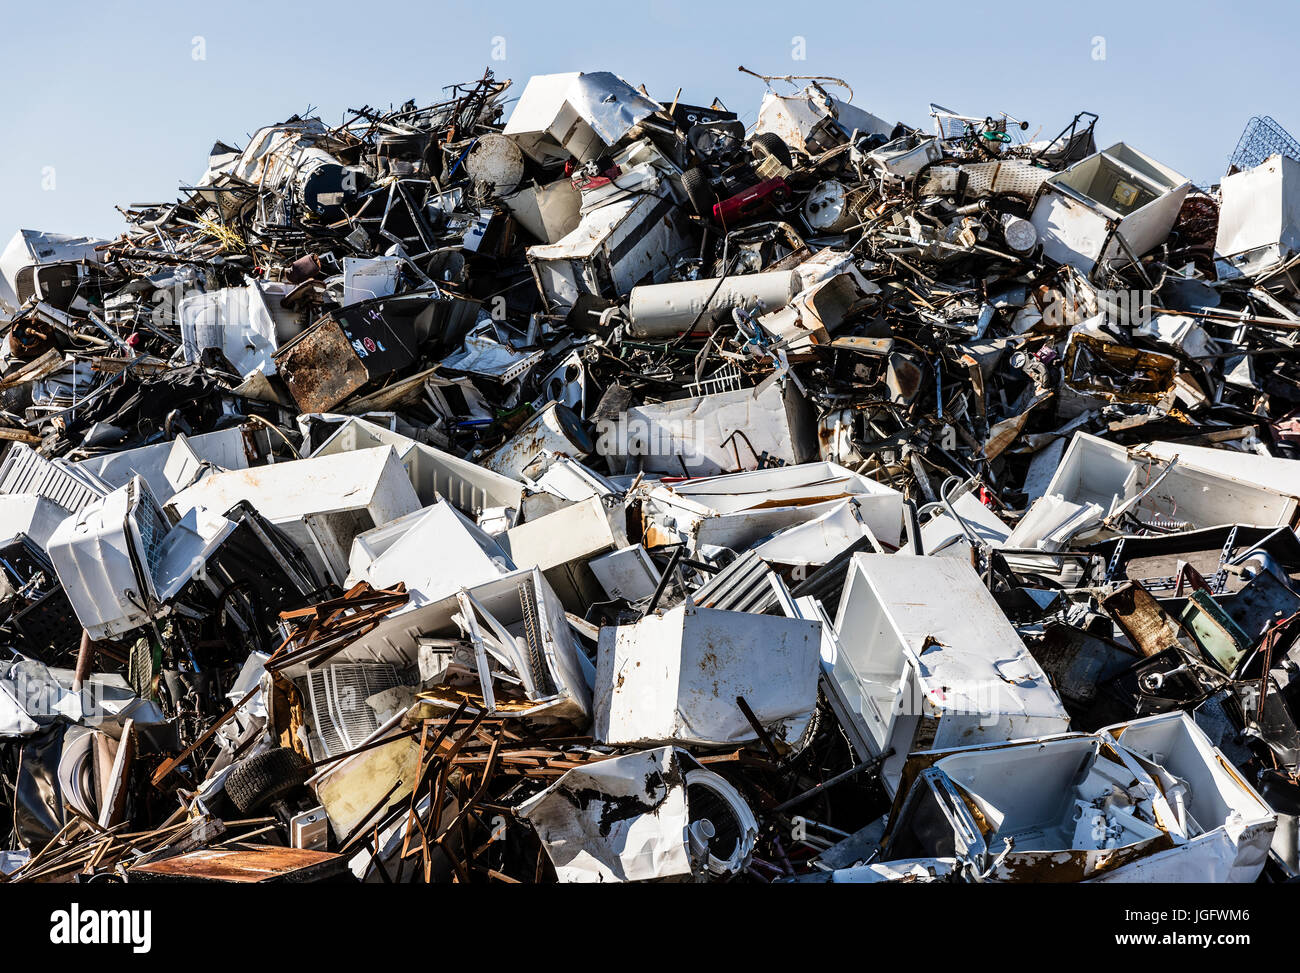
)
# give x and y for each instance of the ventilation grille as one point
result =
(338, 696)
(1005, 176)
(540, 672)
(152, 525)
(744, 585)
(27, 471)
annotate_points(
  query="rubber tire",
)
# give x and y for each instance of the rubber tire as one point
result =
(263, 778)
(698, 189)
(769, 143)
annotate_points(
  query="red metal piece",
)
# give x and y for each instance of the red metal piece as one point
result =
(751, 201)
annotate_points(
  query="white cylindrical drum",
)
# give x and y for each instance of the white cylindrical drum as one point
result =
(666, 310)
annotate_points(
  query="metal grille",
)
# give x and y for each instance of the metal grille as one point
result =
(338, 695)
(743, 585)
(152, 525)
(541, 673)
(1263, 137)
(726, 379)
(1009, 176)
(27, 471)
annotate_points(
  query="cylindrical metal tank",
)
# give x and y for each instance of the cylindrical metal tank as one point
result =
(666, 310)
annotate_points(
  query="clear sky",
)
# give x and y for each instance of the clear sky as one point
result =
(113, 103)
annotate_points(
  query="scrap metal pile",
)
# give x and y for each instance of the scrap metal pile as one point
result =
(559, 484)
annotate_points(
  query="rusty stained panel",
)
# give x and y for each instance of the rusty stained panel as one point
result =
(244, 866)
(1142, 619)
(320, 367)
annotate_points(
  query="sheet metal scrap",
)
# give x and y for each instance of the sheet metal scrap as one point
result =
(660, 384)
(316, 633)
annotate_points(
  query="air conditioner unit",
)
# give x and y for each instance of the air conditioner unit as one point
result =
(121, 557)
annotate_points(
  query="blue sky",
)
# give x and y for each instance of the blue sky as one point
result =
(105, 103)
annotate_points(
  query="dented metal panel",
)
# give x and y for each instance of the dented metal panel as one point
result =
(703, 659)
(928, 659)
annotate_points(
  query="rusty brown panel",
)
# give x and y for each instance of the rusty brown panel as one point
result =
(320, 368)
(238, 865)
(1146, 624)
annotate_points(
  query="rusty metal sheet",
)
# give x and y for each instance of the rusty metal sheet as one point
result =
(244, 866)
(1140, 616)
(320, 368)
